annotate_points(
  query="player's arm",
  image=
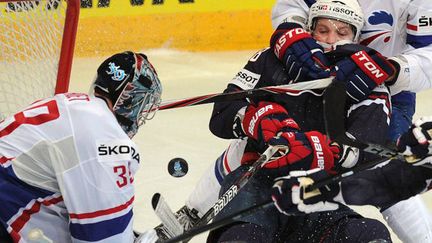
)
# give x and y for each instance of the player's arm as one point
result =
(226, 118)
(294, 11)
(381, 187)
(415, 64)
(368, 120)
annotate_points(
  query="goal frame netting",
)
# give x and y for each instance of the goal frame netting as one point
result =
(68, 37)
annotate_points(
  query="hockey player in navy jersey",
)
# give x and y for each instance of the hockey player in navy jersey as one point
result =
(296, 121)
(329, 36)
(401, 31)
(378, 187)
(67, 163)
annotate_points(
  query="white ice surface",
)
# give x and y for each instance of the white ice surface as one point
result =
(183, 132)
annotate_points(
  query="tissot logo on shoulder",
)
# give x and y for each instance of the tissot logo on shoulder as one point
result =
(246, 77)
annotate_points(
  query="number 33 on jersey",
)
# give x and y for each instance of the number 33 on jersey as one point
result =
(69, 164)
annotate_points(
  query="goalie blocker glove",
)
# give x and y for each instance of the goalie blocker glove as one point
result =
(362, 69)
(302, 56)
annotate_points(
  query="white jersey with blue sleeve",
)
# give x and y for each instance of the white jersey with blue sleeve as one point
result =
(67, 172)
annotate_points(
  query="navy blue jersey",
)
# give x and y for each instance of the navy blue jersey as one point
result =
(368, 120)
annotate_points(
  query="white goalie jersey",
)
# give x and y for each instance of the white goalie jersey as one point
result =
(67, 172)
(393, 27)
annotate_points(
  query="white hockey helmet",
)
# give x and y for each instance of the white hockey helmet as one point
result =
(347, 11)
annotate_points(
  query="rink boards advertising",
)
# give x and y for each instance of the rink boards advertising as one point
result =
(194, 25)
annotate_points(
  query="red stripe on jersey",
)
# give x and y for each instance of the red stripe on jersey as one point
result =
(225, 161)
(102, 212)
(3, 160)
(412, 27)
(15, 236)
(385, 97)
(19, 222)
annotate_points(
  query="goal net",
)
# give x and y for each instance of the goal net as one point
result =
(36, 50)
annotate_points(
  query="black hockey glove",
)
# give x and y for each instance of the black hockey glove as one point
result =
(417, 141)
(303, 57)
(290, 196)
(361, 68)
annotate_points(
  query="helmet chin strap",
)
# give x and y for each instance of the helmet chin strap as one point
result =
(331, 47)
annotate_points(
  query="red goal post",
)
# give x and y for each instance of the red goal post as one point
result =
(36, 50)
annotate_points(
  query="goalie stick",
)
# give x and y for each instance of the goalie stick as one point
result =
(166, 215)
(223, 97)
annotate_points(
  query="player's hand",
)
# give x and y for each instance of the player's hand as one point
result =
(417, 141)
(291, 197)
(264, 120)
(303, 57)
(362, 69)
(305, 151)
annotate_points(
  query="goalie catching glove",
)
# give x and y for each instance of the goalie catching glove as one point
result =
(291, 196)
(303, 57)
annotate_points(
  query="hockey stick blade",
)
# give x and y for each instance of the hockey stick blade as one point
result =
(222, 97)
(166, 215)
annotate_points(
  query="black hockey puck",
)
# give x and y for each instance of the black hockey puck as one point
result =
(178, 167)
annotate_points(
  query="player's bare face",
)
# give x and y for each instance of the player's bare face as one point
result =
(331, 32)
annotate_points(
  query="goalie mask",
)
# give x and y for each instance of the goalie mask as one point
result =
(347, 11)
(131, 83)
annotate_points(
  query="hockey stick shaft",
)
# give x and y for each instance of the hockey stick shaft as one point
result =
(238, 95)
(166, 215)
(240, 182)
